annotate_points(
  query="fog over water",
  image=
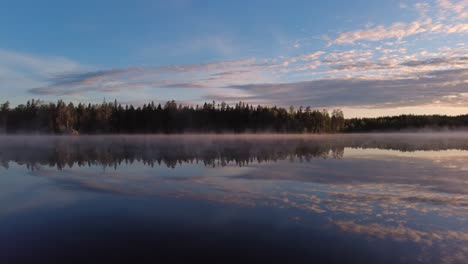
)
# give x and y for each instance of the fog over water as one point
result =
(370, 198)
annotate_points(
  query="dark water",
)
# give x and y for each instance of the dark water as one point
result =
(234, 199)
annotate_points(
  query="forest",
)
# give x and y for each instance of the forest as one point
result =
(114, 118)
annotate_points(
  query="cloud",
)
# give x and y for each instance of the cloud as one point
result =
(307, 57)
(41, 65)
(401, 233)
(399, 31)
(423, 25)
(436, 61)
(87, 77)
(21, 71)
(382, 93)
(203, 75)
(63, 84)
(349, 55)
(352, 78)
(460, 8)
(394, 63)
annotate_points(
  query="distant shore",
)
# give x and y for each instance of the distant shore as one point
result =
(36, 117)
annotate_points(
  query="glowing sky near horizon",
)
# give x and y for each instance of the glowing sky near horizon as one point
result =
(370, 58)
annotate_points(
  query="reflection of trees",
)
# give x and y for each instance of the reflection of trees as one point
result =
(63, 118)
(65, 152)
(210, 151)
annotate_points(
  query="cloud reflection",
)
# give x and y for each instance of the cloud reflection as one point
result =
(404, 188)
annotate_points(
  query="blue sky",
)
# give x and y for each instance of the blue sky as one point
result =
(368, 57)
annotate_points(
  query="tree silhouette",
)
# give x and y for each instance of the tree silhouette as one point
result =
(113, 118)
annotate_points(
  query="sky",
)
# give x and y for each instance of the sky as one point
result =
(369, 58)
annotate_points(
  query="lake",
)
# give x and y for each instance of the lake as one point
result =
(374, 198)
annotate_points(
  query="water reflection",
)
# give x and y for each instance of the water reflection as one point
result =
(336, 199)
(210, 150)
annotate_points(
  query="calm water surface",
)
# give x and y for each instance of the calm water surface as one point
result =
(400, 198)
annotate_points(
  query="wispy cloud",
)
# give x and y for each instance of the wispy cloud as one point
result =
(401, 30)
(206, 75)
(382, 93)
(42, 65)
(349, 78)
(460, 8)
(20, 71)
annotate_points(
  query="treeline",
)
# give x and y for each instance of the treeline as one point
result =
(114, 118)
(67, 118)
(407, 123)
